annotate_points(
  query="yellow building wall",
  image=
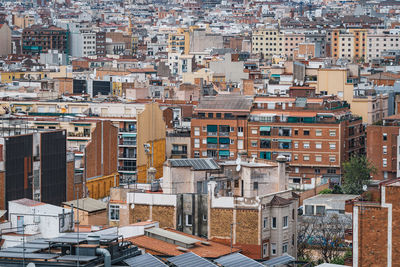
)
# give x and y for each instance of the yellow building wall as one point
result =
(334, 81)
(100, 187)
(117, 88)
(151, 129)
(7, 77)
(159, 158)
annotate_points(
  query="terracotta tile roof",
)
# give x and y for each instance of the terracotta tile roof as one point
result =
(213, 250)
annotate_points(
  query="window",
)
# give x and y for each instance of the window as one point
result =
(210, 115)
(317, 171)
(204, 217)
(273, 223)
(318, 145)
(254, 143)
(332, 158)
(296, 132)
(332, 132)
(189, 220)
(196, 142)
(385, 174)
(254, 131)
(196, 131)
(309, 210)
(284, 247)
(296, 169)
(332, 146)
(306, 144)
(385, 137)
(196, 154)
(265, 250)
(265, 222)
(296, 144)
(114, 212)
(318, 158)
(273, 248)
(240, 144)
(240, 131)
(384, 162)
(285, 221)
(306, 157)
(320, 210)
(204, 140)
(331, 171)
(255, 186)
(306, 132)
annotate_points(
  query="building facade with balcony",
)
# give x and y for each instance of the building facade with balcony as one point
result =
(38, 39)
(316, 135)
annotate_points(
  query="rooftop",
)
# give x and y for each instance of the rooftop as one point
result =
(196, 164)
(87, 204)
(225, 102)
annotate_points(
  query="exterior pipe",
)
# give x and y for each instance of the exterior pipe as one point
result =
(106, 254)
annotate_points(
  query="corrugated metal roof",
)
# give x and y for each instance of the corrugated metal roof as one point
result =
(279, 261)
(173, 236)
(144, 260)
(87, 204)
(196, 164)
(190, 259)
(237, 260)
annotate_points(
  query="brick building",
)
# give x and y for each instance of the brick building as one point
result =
(316, 135)
(375, 231)
(38, 39)
(382, 149)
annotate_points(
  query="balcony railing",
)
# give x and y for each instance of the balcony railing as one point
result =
(78, 134)
(125, 130)
(212, 146)
(224, 146)
(224, 133)
(124, 168)
(128, 143)
(212, 133)
(178, 152)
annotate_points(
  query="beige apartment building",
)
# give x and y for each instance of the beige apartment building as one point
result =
(379, 41)
(372, 108)
(267, 41)
(291, 41)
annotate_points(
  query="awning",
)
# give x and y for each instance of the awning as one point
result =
(224, 152)
(128, 134)
(265, 128)
(265, 155)
(212, 128)
(285, 140)
(212, 140)
(224, 140)
(275, 75)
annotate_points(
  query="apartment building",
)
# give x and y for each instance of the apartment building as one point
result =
(267, 41)
(80, 118)
(380, 41)
(382, 148)
(179, 42)
(351, 43)
(316, 135)
(83, 43)
(5, 36)
(263, 228)
(219, 125)
(39, 39)
(291, 41)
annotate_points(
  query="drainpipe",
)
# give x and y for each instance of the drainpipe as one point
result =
(106, 254)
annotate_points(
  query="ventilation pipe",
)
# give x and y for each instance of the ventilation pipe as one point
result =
(106, 254)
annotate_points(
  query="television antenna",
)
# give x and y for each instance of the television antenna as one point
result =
(238, 166)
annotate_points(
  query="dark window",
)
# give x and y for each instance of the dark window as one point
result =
(255, 186)
(273, 222)
(210, 115)
(306, 132)
(296, 132)
(317, 171)
(218, 115)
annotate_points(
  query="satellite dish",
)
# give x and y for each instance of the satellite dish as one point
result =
(365, 187)
(31, 264)
(238, 167)
(238, 161)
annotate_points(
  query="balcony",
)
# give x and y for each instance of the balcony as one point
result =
(78, 134)
(127, 168)
(214, 146)
(223, 133)
(127, 143)
(224, 146)
(126, 130)
(178, 152)
(212, 133)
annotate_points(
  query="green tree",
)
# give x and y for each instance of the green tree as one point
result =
(357, 173)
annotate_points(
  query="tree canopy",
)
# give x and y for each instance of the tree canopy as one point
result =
(357, 173)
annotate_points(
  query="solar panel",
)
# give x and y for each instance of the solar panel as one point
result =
(76, 258)
(279, 260)
(197, 164)
(237, 260)
(18, 255)
(190, 259)
(144, 260)
(20, 249)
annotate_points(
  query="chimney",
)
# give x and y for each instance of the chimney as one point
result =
(282, 179)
